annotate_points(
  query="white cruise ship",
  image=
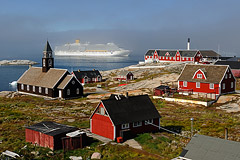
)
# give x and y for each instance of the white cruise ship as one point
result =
(87, 49)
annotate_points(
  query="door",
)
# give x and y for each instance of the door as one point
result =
(60, 93)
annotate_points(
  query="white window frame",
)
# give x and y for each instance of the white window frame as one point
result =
(184, 83)
(34, 89)
(137, 124)
(149, 121)
(102, 111)
(211, 85)
(230, 76)
(28, 88)
(199, 76)
(77, 91)
(125, 126)
(46, 90)
(40, 89)
(231, 84)
(197, 84)
(68, 92)
(22, 86)
(223, 86)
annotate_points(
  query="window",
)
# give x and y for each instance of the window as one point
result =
(184, 83)
(226, 76)
(187, 58)
(126, 125)
(102, 111)
(27, 87)
(73, 82)
(33, 88)
(211, 86)
(223, 85)
(46, 90)
(183, 58)
(230, 76)
(198, 85)
(77, 91)
(137, 124)
(199, 75)
(68, 92)
(40, 89)
(231, 84)
(177, 58)
(166, 57)
(149, 121)
(22, 86)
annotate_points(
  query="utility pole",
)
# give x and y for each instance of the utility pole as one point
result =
(191, 119)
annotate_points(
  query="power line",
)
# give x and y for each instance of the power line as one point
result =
(159, 127)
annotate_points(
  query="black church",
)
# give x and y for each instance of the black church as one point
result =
(49, 81)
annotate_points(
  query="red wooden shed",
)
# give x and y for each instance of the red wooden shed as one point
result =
(121, 116)
(48, 134)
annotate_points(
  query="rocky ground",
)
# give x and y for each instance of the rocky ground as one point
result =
(17, 62)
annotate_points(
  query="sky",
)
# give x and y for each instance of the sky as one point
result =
(137, 25)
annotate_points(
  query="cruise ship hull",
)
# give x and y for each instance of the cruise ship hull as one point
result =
(107, 53)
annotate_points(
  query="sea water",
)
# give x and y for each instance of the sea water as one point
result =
(13, 73)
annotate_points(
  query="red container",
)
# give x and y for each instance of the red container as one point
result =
(119, 139)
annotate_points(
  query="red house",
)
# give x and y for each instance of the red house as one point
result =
(121, 116)
(125, 76)
(88, 76)
(217, 79)
(48, 134)
(162, 55)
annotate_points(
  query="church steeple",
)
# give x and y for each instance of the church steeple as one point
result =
(47, 60)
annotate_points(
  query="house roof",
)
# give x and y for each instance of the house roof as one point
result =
(232, 64)
(162, 87)
(213, 73)
(209, 53)
(47, 47)
(89, 74)
(35, 77)
(123, 73)
(210, 148)
(65, 82)
(131, 109)
(51, 128)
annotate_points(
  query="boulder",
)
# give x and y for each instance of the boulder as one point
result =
(96, 155)
(75, 158)
(224, 99)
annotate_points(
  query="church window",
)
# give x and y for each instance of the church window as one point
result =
(73, 82)
(77, 91)
(68, 92)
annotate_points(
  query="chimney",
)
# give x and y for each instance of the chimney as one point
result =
(226, 133)
(188, 44)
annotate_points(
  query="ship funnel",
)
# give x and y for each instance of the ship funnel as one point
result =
(188, 44)
(77, 41)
